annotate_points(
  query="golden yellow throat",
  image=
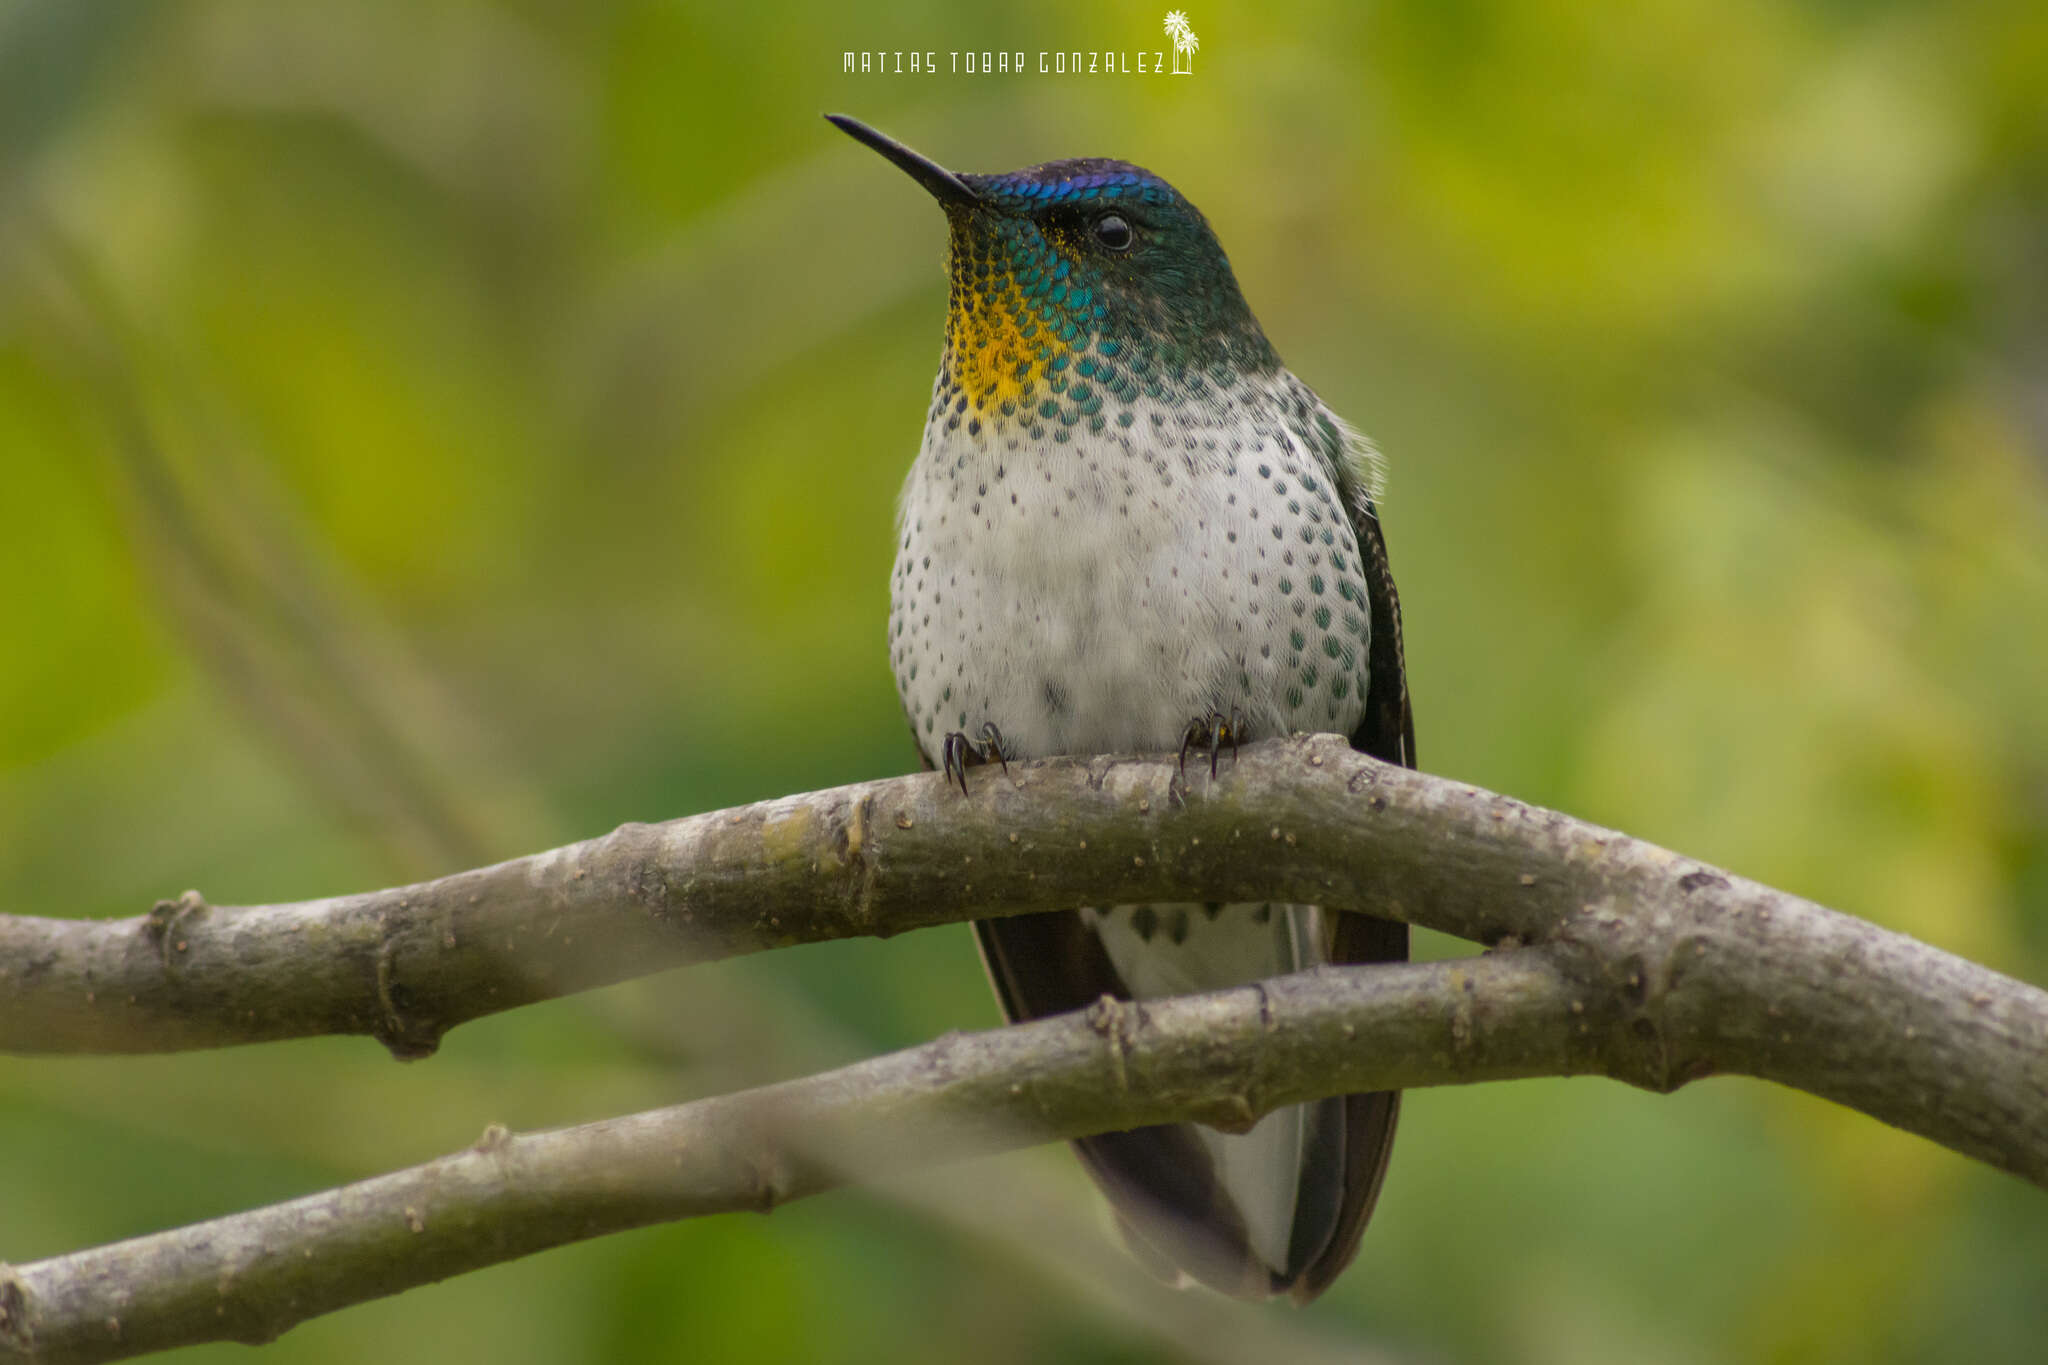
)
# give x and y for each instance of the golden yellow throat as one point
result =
(998, 348)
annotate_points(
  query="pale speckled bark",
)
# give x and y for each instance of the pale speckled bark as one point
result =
(1641, 965)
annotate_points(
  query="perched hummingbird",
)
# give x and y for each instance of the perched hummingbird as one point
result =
(1129, 527)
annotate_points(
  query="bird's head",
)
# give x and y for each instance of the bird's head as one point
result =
(1078, 288)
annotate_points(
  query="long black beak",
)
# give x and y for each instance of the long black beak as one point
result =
(945, 186)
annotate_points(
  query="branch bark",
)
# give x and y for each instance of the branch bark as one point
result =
(1226, 1058)
(1626, 960)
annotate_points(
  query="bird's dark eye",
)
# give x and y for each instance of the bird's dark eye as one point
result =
(1113, 232)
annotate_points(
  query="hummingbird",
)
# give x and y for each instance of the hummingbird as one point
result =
(1130, 528)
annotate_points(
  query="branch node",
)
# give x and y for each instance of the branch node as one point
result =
(165, 917)
(408, 1040)
(496, 1138)
(852, 839)
(1231, 1114)
(774, 1182)
(1115, 1021)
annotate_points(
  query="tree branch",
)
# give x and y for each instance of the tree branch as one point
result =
(1714, 973)
(1624, 960)
(1226, 1058)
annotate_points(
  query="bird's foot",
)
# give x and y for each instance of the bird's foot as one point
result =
(1211, 730)
(958, 753)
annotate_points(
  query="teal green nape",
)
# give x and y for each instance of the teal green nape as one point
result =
(1077, 285)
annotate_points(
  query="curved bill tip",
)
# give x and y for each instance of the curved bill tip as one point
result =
(945, 186)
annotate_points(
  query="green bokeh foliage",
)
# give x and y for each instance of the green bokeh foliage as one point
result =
(434, 432)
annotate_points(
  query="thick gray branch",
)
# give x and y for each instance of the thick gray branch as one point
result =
(1711, 973)
(1225, 1057)
(1621, 959)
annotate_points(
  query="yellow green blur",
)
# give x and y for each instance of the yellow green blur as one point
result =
(527, 392)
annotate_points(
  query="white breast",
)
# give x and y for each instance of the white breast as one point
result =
(1096, 594)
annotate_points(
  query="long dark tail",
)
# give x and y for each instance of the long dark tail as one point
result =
(1177, 1213)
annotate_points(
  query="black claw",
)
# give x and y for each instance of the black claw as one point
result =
(958, 753)
(992, 745)
(1211, 730)
(951, 760)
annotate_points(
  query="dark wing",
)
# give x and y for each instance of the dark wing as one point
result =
(1387, 733)
(1388, 730)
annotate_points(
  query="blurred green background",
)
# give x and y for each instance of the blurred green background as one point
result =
(434, 432)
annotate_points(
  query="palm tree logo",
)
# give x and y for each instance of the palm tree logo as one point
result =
(1185, 42)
